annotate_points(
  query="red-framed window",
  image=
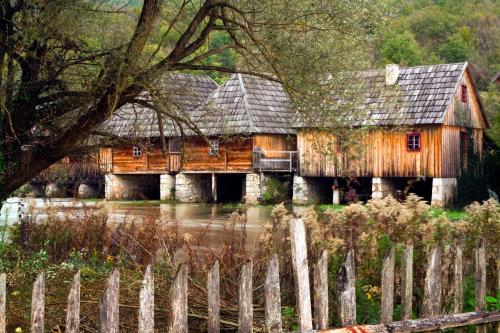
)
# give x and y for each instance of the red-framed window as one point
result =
(464, 93)
(413, 141)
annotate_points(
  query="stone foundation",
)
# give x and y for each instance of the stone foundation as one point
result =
(442, 191)
(131, 187)
(306, 190)
(55, 190)
(382, 187)
(167, 187)
(86, 191)
(193, 187)
(252, 192)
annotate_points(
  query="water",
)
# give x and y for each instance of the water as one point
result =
(208, 219)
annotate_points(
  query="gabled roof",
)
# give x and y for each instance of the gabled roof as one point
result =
(421, 95)
(183, 93)
(246, 104)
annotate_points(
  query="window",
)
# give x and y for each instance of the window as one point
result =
(413, 141)
(213, 150)
(174, 146)
(464, 93)
(137, 151)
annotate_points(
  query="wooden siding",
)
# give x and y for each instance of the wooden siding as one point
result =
(152, 160)
(105, 159)
(275, 146)
(235, 155)
(374, 153)
(466, 114)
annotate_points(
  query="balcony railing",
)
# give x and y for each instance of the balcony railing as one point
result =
(276, 161)
(69, 172)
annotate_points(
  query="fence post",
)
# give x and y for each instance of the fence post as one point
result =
(3, 302)
(109, 305)
(459, 280)
(273, 296)
(480, 277)
(38, 305)
(179, 301)
(321, 291)
(431, 306)
(245, 295)
(73, 307)
(213, 281)
(347, 288)
(387, 306)
(147, 302)
(407, 282)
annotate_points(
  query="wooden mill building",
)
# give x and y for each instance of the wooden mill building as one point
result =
(246, 134)
(412, 129)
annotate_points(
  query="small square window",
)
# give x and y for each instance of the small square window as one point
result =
(214, 148)
(464, 93)
(413, 142)
(137, 151)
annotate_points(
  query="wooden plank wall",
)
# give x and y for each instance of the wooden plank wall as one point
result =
(378, 153)
(272, 144)
(151, 161)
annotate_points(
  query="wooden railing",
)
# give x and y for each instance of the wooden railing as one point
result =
(174, 162)
(432, 319)
(276, 161)
(69, 172)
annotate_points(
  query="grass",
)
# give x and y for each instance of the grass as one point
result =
(452, 214)
(325, 207)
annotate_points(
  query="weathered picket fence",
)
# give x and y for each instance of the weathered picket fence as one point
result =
(109, 305)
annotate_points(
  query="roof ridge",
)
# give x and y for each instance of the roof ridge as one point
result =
(245, 102)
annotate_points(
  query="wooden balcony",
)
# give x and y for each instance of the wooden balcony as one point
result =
(275, 161)
(70, 172)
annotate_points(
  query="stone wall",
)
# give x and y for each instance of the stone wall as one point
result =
(132, 187)
(193, 187)
(307, 190)
(252, 188)
(382, 187)
(86, 191)
(55, 190)
(442, 191)
(167, 187)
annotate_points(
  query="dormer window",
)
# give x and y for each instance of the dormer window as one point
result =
(136, 151)
(214, 148)
(464, 93)
(413, 141)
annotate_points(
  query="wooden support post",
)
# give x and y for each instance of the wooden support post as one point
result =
(73, 307)
(387, 278)
(3, 302)
(273, 296)
(480, 277)
(109, 305)
(245, 295)
(347, 289)
(321, 291)
(38, 305)
(459, 280)
(407, 282)
(431, 306)
(213, 282)
(147, 302)
(179, 301)
(301, 273)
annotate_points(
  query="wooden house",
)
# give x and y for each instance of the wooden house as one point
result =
(412, 127)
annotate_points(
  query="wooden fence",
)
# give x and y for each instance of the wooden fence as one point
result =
(432, 319)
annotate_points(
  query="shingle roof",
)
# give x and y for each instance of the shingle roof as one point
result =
(184, 93)
(246, 104)
(421, 95)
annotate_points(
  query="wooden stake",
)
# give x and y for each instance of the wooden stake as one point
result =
(301, 274)
(38, 305)
(347, 288)
(459, 280)
(480, 277)
(387, 306)
(213, 281)
(407, 282)
(273, 296)
(109, 305)
(179, 301)
(431, 306)
(321, 291)
(3, 302)
(73, 307)
(245, 317)
(147, 302)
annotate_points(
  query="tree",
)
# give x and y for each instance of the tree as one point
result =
(400, 49)
(66, 65)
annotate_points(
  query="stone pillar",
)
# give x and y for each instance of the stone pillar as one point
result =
(86, 191)
(55, 190)
(252, 188)
(214, 187)
(193, 187)
(336, 197)
(381, 187)
(306, 190)
(442, 191)
(167, 187)
(108, 186)
(131, 187)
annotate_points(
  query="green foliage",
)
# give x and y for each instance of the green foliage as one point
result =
(400, 49)
(276, 190)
